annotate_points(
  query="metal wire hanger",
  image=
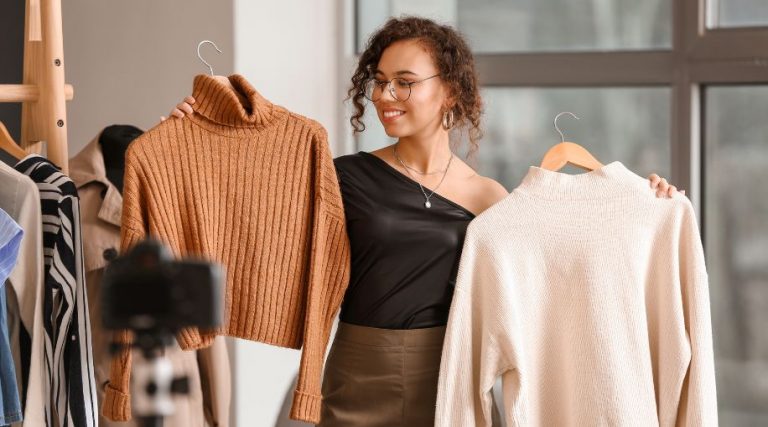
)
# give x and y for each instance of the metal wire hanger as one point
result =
(199, 45)
(222, 79)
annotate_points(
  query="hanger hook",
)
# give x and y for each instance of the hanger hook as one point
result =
(199, 45)
(562, 137)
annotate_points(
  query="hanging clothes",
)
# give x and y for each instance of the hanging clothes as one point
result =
(101, 209)
(251, 186)
(20, 198)
(589, 297)
(10, 241)
(66, 320)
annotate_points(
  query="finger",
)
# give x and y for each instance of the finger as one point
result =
(186, 108)
(654, 180)
(177, 113)
(672, 191)
(662, 188)
(189, 100)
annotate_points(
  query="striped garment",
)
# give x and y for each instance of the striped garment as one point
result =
(69, 364)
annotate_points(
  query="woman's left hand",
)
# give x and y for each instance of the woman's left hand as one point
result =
(662, 187)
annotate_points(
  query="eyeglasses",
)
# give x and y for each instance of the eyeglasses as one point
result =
(399, 88)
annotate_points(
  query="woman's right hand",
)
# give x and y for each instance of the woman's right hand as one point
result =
(182, 108)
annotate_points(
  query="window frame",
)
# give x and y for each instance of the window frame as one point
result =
(699, 56)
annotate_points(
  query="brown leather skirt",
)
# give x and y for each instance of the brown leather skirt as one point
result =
(382, 377)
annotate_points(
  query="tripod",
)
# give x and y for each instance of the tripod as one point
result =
(155, 384)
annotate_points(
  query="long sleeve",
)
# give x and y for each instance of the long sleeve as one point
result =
(478, 344)
(66, 322)
(328, 279)
(698, 401)
(27, 280)
(117, 399)
(216, 382)
(77, 359)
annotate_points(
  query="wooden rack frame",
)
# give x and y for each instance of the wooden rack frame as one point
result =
(43, 93)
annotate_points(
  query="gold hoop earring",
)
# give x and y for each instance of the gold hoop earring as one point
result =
(448, 119)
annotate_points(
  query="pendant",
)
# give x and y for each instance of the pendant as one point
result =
(427, 204)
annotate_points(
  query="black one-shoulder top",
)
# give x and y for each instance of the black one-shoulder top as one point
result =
(404, 256)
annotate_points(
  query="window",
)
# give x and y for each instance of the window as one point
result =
(537, 25)
(737, 13)
(674, 87)
(556, 25)
(736, 231)
(631, 124)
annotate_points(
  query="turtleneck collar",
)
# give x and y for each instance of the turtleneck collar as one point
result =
(220, 105)
(610, 181)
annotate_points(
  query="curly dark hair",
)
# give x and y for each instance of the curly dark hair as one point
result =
(452, 57)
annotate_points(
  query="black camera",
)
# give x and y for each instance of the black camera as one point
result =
(146, 290)
(150, 294)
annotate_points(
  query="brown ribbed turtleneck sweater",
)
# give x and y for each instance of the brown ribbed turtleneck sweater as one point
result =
(254, 188)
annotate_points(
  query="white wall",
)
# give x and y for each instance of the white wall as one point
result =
(290, 51)
(131, 61)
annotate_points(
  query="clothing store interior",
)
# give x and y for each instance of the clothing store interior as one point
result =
(353, 213)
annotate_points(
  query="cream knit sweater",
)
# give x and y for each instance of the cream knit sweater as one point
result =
(589, 296)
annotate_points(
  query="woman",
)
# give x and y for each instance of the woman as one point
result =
(407, 207)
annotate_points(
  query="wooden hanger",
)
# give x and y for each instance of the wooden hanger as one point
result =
(568, 152)
(8, 145)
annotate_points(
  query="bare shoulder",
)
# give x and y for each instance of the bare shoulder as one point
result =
(481, 191)
(489, 190)
(384, 153)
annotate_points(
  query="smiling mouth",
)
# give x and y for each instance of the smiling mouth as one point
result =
(392, 114)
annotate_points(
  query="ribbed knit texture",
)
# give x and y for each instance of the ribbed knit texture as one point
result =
(254, 188)
(589, 297)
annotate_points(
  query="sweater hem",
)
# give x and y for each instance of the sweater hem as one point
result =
(197, 344)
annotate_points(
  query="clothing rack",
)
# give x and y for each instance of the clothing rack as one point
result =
(43, 93)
